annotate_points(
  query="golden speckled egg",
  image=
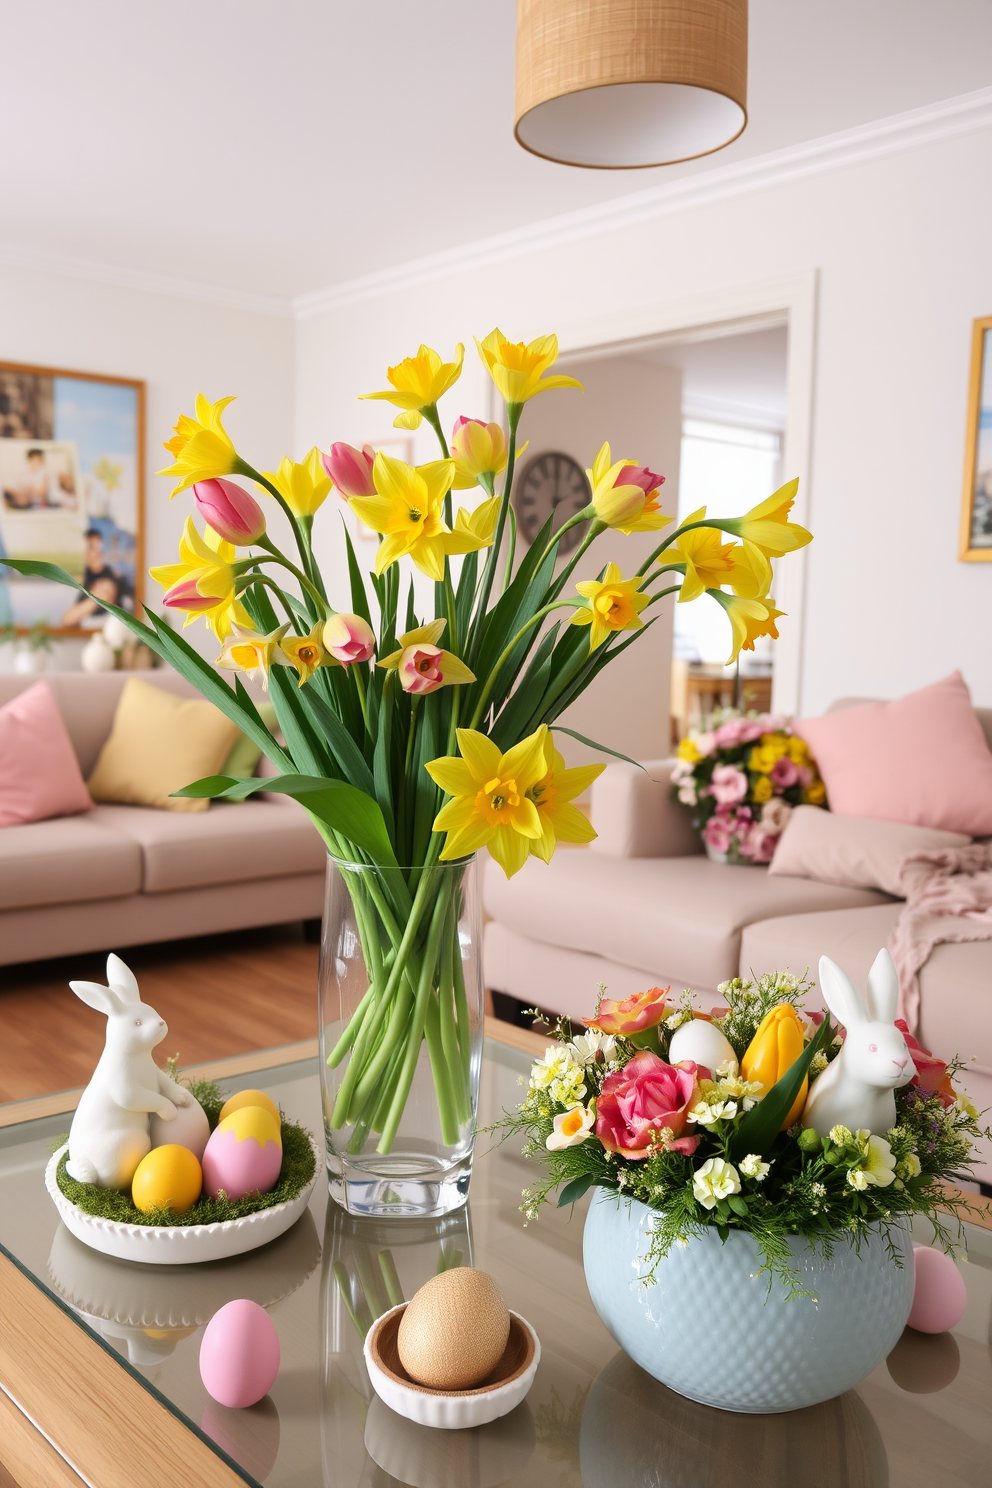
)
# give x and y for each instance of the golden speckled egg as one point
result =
(243, 1155)
(168, 1176)
(250, 1098)
(453, 1333)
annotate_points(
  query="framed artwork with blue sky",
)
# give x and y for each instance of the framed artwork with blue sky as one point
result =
(976, 507)
(71, 492)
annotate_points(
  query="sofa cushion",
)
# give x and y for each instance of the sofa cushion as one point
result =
(64, 861)
(158, 745)
(682, 914)
(852, 849)
(922, 759)
(955, 983)
(178, 851)
(39, 774)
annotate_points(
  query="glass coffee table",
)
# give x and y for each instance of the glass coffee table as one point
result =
(101, 1355)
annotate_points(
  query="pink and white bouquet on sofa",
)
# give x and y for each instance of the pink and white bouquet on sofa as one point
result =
(742, 776)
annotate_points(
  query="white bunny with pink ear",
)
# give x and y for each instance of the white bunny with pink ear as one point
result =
(109, 1134)
(856, 1089)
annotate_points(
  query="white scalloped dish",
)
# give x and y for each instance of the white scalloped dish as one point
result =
(177, 1245)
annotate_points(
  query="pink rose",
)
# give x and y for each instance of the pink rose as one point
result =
(641, 1100)
(728, 784)
(759, 845)
(717, 834)
(729, 735)
(784, 773)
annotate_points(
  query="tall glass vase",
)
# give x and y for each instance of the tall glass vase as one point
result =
(401, 1023)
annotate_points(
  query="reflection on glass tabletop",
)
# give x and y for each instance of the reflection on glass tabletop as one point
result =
(593, 1418)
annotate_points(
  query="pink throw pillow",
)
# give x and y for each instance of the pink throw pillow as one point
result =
(853, 851)
(921, 759)
(39, 772)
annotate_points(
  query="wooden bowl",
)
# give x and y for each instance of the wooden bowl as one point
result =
(499, 1392)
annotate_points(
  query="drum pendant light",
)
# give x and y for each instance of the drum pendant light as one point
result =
(621, 84)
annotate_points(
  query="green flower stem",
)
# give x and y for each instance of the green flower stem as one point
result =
(595, 528)
(675, 589)
(507, 651)
(720, 525)
(390, 1276)
(662, 568)
(511, 555)
(361, 1322)
(299, 532)
(369, 1280)
(513, 411)
(462, 1021)
(447, 1029)
(260, 578)
(276, 556)
(416, 1030)
(356, 671)
(441, 1072)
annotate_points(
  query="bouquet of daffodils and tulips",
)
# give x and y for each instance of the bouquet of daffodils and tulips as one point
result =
(724, 1146)
(412, 738)
(743, 775)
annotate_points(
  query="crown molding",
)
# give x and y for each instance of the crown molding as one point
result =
(15, 257)
(937, 121)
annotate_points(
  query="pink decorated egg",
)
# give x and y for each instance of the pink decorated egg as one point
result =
(243, 1155)
(940, 1297)
(239, 1354)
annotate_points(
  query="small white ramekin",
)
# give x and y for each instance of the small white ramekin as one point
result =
(460, 1408)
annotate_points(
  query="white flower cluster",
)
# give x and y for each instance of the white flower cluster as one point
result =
(724, 1099)
(715, 1180)
(560, 1074)
(586, 1048)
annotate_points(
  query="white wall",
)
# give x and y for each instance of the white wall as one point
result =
(902, 246)
(179, 347)
(638, 408)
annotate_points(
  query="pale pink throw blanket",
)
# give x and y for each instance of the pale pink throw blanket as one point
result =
(948, 897)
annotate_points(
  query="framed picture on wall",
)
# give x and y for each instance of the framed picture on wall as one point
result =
(976, 508)
(71, 492)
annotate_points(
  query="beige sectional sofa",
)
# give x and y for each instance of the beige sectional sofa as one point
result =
(127, 875)
(643, 906)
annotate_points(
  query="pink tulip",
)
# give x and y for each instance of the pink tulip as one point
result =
(639, 475)
(349, 638)
(460, 423)
(420, 669)
(632, 1015)
(230, 511)
(186, 596)
(640, 1101)
(350, 469)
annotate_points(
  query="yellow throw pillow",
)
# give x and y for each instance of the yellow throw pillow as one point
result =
(158, 744)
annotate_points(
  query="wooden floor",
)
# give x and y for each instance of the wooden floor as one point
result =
(220, 995)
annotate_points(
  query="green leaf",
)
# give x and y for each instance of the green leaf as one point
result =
(359, 597)
(340, 806)
(762, 1124)
(559, 728)
(574, 1190)
(738, 1205)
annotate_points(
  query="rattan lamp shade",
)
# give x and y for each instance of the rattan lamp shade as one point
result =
(621, 84)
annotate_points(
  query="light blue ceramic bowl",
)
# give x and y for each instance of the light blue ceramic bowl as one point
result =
(708, 1328)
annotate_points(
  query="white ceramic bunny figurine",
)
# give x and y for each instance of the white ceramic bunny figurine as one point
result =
(855, 1089)
(109, 1134)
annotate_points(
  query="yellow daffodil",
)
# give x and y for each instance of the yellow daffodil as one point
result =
(751, 573)
(418, 382)
(302, 486)
(708, 560)
(479, 453)
(475, 529)
(203, 581)
(553, 795)
(688, 751)
(490, 806)
(749, 619)
(626, 503)
(201, 447)
(518, 369)
(421, 664)
(766, 531)
(307, 653)
(247, 651)
(408, 510)
(614, 604)
(815, 794)
(762, 790)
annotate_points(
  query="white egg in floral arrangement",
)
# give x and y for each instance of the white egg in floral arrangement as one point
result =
(702, 1042)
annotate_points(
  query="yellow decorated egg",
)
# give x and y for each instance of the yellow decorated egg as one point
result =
(244, 1154)
(250, 1098)
(168, 1177)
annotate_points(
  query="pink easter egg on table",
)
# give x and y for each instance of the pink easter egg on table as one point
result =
(239, 1354)
(243, 1155)
(940, 1297)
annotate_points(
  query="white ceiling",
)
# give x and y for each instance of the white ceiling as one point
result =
(279, 148)
(737, 378)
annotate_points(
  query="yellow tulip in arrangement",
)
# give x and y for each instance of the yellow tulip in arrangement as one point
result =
(413, 740)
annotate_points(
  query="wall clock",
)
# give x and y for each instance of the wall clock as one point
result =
(555, 485)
